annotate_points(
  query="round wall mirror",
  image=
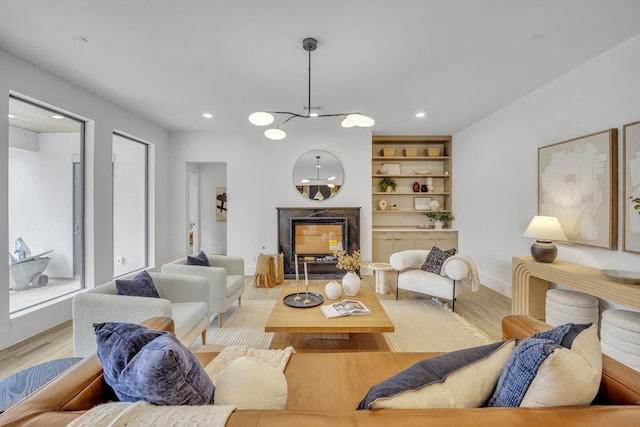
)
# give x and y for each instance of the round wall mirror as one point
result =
(318, 175)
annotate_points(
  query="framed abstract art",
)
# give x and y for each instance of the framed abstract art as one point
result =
(631, 188)
(221, 203)
(578, 184)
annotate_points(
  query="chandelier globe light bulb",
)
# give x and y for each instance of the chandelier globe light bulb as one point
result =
(361, 120)
(346, 123)
(275, 134)
(261, 118)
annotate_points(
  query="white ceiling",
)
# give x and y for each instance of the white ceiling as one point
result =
(171, 60)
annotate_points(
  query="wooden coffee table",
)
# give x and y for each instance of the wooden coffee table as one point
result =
(309, 329)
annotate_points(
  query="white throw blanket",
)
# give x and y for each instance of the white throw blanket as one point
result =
(143, 414)
(473, 278)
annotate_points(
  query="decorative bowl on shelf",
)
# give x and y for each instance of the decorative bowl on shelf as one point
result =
(393, 208)
(425, 227)
(417, 172)
(621, 276)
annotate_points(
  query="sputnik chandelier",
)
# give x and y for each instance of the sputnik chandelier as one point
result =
(265, 118)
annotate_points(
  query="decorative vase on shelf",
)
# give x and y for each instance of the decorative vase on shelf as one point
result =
(333, 290)
(423, 189)
(382, 204)
(434, 205)
(351, 284)
(438, 224)
(416, 187)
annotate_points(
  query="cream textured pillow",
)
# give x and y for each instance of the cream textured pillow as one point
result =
(251, 384)
(460, 379)
(568, 377)
(558, 367)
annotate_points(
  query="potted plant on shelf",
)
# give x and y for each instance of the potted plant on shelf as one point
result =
(387, 184)
(440, 217)
(351, 281)
(636, 202)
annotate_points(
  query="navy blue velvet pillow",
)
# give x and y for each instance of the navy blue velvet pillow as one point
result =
(140, 286)
(528, 362)
(162, 371)
(118, 343)
(200, 259)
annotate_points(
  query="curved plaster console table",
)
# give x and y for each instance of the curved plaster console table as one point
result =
(530, 281)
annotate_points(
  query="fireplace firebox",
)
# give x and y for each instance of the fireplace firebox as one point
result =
(309, 235)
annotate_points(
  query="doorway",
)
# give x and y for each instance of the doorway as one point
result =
(206, 229)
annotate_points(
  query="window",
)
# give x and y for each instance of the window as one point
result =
(129, 205)
(45, 204)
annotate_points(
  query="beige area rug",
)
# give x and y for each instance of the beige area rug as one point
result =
(427, 325)
(245, 326)
(420, 326)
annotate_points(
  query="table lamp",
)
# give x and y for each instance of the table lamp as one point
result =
(544, 229)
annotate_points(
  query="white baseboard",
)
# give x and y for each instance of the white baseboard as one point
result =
(497, 285)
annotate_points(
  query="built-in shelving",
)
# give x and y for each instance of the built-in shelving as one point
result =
(409, 161)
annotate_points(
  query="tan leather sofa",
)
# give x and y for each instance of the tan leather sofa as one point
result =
(324, 389)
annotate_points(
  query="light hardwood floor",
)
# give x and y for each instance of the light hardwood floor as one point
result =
(484, 309)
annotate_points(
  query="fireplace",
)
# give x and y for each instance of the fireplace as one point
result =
(313, 235)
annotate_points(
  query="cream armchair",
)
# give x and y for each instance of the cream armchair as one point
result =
(225, 276)
(183, 298)
(412, 278)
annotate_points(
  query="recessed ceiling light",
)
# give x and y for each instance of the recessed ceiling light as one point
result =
(207, 115)
(536, 36)
(57, 117)
(420, 115)
(11, 116)
(313, 114)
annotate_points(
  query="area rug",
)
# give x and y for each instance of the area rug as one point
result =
(427, 325)
(420, 326)
(245, 326)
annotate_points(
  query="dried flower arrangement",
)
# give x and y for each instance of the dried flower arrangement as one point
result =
(348, 262)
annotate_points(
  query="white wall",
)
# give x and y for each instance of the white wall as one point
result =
(41, 199)
(496, 170)
(21, 77)
(129, 203)
(259, 179)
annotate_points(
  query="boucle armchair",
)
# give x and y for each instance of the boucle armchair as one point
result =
(225, 276)
(182, 298)
(412, 278)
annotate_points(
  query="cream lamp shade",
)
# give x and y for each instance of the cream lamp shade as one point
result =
(544, 229)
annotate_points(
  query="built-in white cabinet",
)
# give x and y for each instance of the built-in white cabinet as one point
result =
(386, 242)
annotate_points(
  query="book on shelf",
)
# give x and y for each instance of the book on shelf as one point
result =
(345, 307)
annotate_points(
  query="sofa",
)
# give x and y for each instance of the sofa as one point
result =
(324, 389)
(225, 276)
(183, 298)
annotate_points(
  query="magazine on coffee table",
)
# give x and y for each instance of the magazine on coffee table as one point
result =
(345, 307)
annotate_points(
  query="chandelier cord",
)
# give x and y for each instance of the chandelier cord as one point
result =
(309, 88)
